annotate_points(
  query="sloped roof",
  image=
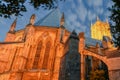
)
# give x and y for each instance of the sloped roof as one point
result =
(92, 42)
(52, 19)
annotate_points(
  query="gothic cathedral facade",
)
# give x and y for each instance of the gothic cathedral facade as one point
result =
(37, 52)
(33, 53)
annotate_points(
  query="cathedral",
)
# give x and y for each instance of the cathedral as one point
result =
(35, 52)
(46, 50)
(100, 29)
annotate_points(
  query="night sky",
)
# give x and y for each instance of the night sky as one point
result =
(79, 14)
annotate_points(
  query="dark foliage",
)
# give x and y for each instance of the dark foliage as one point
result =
(115, 17)
(16, 7)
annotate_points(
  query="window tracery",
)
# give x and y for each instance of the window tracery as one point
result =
(37, 55)
(46, 55)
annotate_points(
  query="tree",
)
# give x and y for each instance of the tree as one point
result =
(97, 75)
(15, 7)
(115, 26)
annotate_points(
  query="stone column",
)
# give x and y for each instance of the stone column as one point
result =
(56, 69)
(15, 76)
(81, 51)
(82, 67)
(57, 62)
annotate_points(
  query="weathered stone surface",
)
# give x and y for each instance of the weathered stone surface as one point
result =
(100, 29)
(51, 53)
(107, 55)
(23, 52)
(114, 75)
(70, 66)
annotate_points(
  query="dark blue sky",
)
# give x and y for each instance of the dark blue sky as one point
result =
(78, 13)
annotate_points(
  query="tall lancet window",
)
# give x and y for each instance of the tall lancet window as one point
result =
(46, 55)
(37, 55)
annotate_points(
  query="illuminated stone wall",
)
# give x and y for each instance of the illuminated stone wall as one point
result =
(100, 29)
(33, 53)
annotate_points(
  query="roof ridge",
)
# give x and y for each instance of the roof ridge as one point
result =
(41, 20)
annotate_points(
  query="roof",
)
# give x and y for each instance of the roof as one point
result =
(52, 19)
(92, 42)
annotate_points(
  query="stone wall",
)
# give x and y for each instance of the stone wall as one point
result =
(71, 64)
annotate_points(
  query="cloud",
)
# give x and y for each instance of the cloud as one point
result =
(95, 3)
(81, 28)
(71, 21)
(89, 2)
(110, 3)
(79, 1)
(99, 11)
(91, 15)
(72, 17)
(77, 24)
(81, 11)
(79, 14)
(69, 25)
(2, 21)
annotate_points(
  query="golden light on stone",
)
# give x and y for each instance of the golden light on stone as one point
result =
(36, 52)
(100, 29)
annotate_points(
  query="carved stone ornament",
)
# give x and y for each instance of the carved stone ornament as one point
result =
(32, 19)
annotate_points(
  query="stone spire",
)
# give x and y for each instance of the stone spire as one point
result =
(107, 20)
(13, 26)
(97, 45)
(62, 21)
(91, 23)
(97, 18)
(32, 19)
(74, 32)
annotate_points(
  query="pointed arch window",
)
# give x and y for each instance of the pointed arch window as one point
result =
(37, 55)
(46, 55)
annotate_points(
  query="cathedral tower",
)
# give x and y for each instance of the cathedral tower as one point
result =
(100, 29)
